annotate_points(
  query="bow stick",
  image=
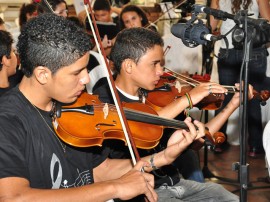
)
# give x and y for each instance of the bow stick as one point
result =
(167, 11)
(129, 140)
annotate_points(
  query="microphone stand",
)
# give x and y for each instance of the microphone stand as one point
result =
(242, 167)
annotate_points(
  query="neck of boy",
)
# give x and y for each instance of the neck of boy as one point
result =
(127, 86)
(30, 89)
(4, 83)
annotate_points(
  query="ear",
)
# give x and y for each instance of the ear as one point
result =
(41, 74)
(127, 65)
(5, 61)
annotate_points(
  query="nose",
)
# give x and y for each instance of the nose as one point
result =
(160, 70)
(85, 78)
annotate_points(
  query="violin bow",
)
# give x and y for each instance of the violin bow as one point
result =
(167, 11)
(263, 96)
(47, 4)
(127, 132)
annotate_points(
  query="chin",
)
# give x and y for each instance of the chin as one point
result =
(68, 101)
(151, 87)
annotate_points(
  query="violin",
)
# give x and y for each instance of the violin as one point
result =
(170, 87)
(88, 122)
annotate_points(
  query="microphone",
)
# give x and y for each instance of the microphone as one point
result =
(193, 35)
(222, 15)
(238, 18)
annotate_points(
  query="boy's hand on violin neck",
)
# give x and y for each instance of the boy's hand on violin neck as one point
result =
(235, 101)
(181, 139)
(135, 183)
(204, 89)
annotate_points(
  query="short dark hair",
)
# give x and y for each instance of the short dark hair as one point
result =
(102, 5)
(133, 43)
(133, 8)
(24, 10)
(51, 41)
(5, 45)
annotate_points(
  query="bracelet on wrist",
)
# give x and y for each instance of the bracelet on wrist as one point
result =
(190, 104)
(153, 166)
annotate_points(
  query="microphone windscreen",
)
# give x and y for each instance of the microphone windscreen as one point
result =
(178, 30)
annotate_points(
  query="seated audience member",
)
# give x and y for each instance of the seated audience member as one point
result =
(36, 165)
(8, 61)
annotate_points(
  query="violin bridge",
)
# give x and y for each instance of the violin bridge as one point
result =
(178, 86)
(105, 110)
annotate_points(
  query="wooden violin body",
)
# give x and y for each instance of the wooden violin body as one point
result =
(168, 89)
(88, 122)
(98, 121)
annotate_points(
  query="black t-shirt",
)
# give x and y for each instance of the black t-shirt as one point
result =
(4, 90)
(30, 149)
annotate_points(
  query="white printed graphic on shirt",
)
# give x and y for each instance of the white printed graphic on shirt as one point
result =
(83, 178)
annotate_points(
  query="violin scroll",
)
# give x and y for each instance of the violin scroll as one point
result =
(263, 96)
(219, 138)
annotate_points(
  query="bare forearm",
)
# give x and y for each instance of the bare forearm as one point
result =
(218, 121)
(173, 109)
(95, 192)
(112, 169)
(213, 21)
(264, 8)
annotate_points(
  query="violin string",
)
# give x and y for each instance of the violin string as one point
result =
(169, 122)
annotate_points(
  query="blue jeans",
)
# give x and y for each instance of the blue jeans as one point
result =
(189, 166)
(187, 190)
(229, 71)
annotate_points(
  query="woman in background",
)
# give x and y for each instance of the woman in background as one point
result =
(229, 68)
(134, 16)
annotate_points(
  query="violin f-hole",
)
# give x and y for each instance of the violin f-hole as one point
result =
(104, 124)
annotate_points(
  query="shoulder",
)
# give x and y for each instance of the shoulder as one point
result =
(102, 89)
(14, 108)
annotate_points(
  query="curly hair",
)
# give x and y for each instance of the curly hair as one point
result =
(132, 8)
(236, 5)
(5, 45)
(133, 43)
(51, 41)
